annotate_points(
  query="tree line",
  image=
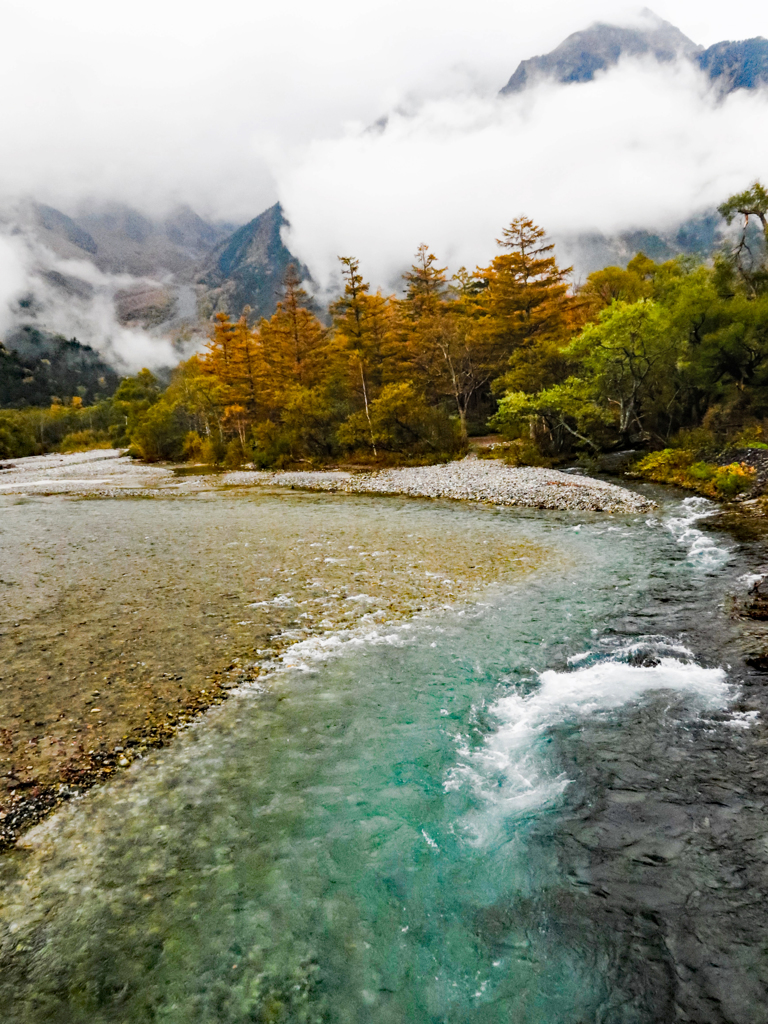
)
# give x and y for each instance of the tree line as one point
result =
(644, 356)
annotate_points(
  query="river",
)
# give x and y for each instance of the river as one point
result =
(543, 805)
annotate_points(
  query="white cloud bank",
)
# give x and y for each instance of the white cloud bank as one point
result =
(87, 314)
(178, 100)
(232, 107)
(642, 146)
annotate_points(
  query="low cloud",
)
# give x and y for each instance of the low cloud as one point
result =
(76, 299)
(642, 146)
(156, 107)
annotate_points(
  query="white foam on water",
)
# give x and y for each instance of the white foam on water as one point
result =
(749, 579)
(703, 551)
(743, 719)
(509, 774)
(307, 655)
(656, 645)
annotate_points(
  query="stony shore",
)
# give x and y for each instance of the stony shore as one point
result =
(109, 473)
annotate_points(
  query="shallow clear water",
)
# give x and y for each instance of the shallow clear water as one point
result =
(503, 813)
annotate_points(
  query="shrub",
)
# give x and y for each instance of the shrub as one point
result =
(213, 450)
(235, 455)
(677, 466)
(402, 423)
(159, 433)
(17, 437)
(750, 437)
(524, 452)
(666, 465)
(85, 440)
(734, 479)
(192, 449)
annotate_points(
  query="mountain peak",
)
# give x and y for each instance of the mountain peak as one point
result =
(247, 269)
(582, 54)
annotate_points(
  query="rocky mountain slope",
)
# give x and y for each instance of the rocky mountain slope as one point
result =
(741, 65)
(730, 65)
(163, 275)
(248, 268)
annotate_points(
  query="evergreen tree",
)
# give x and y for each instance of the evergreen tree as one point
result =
(526, 291)
(360, 330)
(293, 343)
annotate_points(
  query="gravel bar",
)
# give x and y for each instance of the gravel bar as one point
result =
(471, 479)
(110, 473)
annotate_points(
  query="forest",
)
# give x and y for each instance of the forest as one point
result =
(667, 358)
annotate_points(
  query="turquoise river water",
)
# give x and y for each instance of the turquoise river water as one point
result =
(546, 806)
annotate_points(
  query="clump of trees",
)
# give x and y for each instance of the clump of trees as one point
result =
(671, 353)
(385, 379)
(650, 356)
(73, 426)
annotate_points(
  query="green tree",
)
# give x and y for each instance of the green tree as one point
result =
(132, 399)
(752, 202)
(749, 263)
(614, 284)
(626, 377)
(629, 356)
(402, 423)
(161, 432)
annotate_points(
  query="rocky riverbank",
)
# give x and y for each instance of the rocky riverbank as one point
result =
(493, 482)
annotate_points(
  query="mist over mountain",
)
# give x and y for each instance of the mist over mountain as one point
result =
(700, 237)
(121, 240)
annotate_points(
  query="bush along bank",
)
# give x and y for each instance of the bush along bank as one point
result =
(683, 468)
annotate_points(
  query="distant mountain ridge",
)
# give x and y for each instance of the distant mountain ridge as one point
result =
(120, 240)
(164, 276)
(699, 237)
(730, 65)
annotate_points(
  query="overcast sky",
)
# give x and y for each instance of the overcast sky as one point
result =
(231, 105)
(160, 98)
